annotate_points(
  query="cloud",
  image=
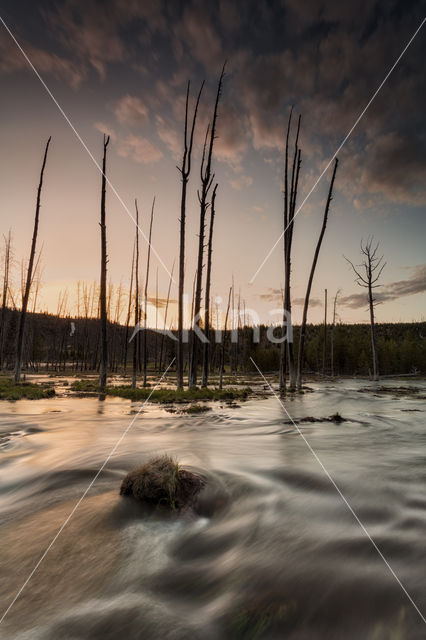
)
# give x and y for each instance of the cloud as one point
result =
(90, 33)
(313, 302)
(272, 295)
(139, 149)
(160, 303)
(396, 167)
(276, 296)
(241, 182)
(131, 110)
(11, 60)
(106, 129)
(392, 290)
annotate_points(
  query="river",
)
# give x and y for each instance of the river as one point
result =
(274, 553)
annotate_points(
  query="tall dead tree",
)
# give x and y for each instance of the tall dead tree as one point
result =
(29, 278)
(206, 182)
(185, 171)
(103, 281)
(145, 302)
(290, 196)
(367, 275)
(206, 345)
(311, 277)
(137, 306)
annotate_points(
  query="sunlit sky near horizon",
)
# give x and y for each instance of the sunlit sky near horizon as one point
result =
(122, 67)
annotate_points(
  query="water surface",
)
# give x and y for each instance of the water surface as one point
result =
(275, 554)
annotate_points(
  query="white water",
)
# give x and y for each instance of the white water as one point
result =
(277, 553)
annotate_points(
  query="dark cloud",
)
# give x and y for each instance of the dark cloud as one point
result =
(391, 291)
(276, 296)
(327, 58)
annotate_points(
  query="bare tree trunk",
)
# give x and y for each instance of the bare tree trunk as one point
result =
(129, 311)
(287, 292)
(7, 257)
(103, 284)
(222, 349)
(156, 322)
(26, 293)
(136, 333)
(289, 212)
(324, 348)
(311, 277)
(185, 170)
(373, 333)
(373, 267)
(165, 317)
(332, 332)
(206, 183)
(145, 304)
(208, 284)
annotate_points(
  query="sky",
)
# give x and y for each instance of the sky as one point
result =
(122, 68)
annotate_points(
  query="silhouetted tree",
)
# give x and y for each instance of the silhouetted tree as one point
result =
(206, 182)
(145, 302)
(185, 171)
(311, 277)
(29, 278)
(103, 281)
(6, 275)
(137, 306)
(367, 275)
(208, 284)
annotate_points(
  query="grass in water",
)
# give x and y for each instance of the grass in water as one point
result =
(163, 395)
(10, 390)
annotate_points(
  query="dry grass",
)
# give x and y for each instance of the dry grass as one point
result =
(161, 481)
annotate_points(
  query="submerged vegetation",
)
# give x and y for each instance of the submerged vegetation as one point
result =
(11, 390)
(162, 395)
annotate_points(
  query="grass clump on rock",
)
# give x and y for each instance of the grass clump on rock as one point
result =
(162, 482)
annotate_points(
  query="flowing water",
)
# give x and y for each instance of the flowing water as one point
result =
(274, 553)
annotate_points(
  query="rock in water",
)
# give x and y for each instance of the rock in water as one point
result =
(161, 481)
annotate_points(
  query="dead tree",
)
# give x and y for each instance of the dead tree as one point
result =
(145, 302)
(129, 311)
(184, 170)
(324, 344)
(311, 277)
(137, 307)
(206, 345)
(333, 327)
(290, 196)
(5, 293)
(103, 281)
(165, 317)
(367, 275)
(206, 182)
(222, 346)
(29, 278)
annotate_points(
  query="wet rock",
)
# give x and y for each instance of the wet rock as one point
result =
(162, 482)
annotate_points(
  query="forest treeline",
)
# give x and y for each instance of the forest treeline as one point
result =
(59, 344)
